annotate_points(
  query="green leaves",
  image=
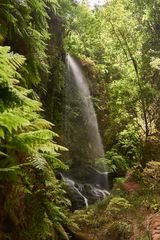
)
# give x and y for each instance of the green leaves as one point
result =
(10, 121)
(151, 175)
(34, 141)
(25, 23)
(28, 154)
(8, 65)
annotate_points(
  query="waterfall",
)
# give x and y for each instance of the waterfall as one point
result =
(83, 140)
(71, 184)
(81, 195)
(81, 121)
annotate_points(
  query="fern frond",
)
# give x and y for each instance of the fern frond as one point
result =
(54, 162)
(61, 231)
(9, 63)
(3, 154)
(39, 163)
(59, 148)
(42, 124)
(16, 60)
(9, 169)
(2, 134)
(28, 137)
(3, 51)
(37, 137)
(51, 147)
(33, 141)
(12, 121)
(54, 5)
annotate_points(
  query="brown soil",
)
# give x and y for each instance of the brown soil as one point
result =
(153, 226)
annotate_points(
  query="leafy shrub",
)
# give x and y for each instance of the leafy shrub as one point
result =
(118, 204)
(151, 175)
(129, 141)
(119, 230)
(136, 172)
(125, 153)
(113, 162)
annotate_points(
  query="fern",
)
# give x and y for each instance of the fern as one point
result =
(54, 162)
(39, 163)
(12, 121)
(27, 21)
(8, 65)
(62, 231)
(16, 61)
(2, 133)
(42, 123)
(9, 169)
(28, 153)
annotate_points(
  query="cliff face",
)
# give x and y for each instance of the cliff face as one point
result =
(52, 89)
(52, 86)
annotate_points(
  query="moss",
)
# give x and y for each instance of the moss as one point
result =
(118, 230)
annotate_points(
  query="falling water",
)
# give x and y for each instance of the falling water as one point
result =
(71, 184)
(83, 121)
(82, 139)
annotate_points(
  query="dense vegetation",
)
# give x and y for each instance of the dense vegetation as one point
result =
(118, 42)
(32, 199)
(118, 46)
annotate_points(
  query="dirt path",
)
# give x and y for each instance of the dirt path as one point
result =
(153, 227)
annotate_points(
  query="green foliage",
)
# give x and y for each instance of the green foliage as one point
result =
(120, 229)
(113, 162)
(28, 157)
(125, 153)
(121, 43)
(118, 204)
(130, 143)
(151, 175)
(27, 23)
(136, 172)
(127, 63)
(155, 206)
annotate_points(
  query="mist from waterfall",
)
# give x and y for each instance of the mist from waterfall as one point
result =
(80, 115)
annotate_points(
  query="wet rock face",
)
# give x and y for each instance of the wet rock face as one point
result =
(81, 194)
(90, 175)
(86, 185)
(93, 193)
(97, 178)
(77, 199)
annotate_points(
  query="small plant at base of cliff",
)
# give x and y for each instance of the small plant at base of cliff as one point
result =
(118, 204)
(125, 153)
(119, 230)
(136, 172)
(151, 175)
(154, 204)
(113, 162)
